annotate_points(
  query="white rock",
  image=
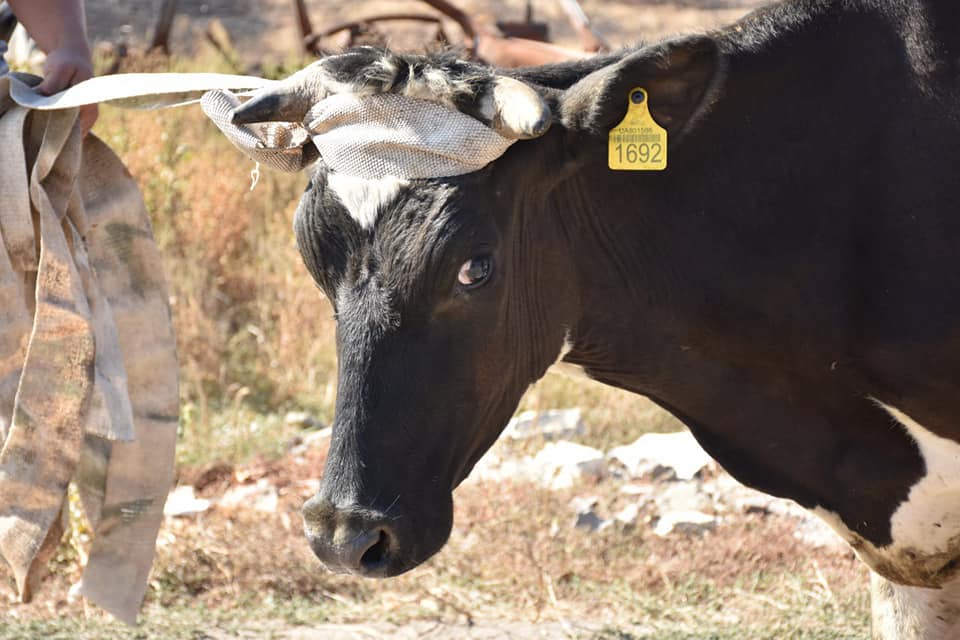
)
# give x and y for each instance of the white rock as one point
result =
(682, 496)
(74, 593)
(684, 522)
(563, 464)
(587, 517)
(677, 451)
(311, 439)
(747, 500)
(642, 490)
(559, 465)
(261, 496)
(584, 504)
(310, 485)
(430, 604)
(728, 494)
(818, 534)
(493, 468)
(487, 468)
(555, 423)
(724, 484)
(303, 420)
(182, 502)
(628, 516)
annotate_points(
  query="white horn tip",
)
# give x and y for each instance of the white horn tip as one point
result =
(519, 111)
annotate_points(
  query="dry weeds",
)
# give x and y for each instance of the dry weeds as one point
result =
(513, 555)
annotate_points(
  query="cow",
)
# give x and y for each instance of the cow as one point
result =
(788, 287)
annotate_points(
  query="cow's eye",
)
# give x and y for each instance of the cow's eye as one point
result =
(475, 271)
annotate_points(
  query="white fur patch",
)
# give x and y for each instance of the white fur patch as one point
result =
(930, 516)
(435, 85)
(926, 526)
(364, 198)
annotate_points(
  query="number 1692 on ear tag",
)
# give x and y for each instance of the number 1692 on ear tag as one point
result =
(637, 143)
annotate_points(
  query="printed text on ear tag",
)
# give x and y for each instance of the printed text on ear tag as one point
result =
(637, 143)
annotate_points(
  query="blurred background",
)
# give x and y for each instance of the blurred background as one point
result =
(258, 382)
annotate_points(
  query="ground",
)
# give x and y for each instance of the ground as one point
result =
(256, 341)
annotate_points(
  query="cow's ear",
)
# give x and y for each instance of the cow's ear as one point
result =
(681, 77)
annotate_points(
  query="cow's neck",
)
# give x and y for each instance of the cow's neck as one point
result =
(773, 287)
(732, 301)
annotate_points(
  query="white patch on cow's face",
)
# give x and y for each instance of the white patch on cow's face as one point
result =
(364, 198)
(926, 526)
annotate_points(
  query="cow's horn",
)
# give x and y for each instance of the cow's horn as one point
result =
(515, 110)
(287, 101)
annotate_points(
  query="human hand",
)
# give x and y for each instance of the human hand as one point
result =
(66, 66)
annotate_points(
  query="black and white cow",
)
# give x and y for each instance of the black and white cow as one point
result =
(789, 287)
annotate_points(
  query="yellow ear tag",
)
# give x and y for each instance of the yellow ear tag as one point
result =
(637, 143)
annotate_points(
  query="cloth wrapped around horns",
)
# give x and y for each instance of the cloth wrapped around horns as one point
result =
(88, 369)
(365, 136)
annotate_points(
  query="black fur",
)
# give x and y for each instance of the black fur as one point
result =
(796, 260)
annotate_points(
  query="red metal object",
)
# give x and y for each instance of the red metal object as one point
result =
(491, 45)
(161, 34)
(364, 26)
(529, 28)
(499, 50)
(519, 52)
(461, 18)
(303, 21)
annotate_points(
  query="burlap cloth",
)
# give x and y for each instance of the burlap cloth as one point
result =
(88, 368)
(365, 136)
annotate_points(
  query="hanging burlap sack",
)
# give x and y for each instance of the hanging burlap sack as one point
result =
(88, 369)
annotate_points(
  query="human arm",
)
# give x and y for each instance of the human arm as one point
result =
(59, 29)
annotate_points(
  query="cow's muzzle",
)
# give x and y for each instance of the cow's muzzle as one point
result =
(360, 541)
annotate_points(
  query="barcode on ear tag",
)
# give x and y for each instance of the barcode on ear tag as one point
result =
(637, 143)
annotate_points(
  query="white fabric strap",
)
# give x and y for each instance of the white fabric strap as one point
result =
(135, 90)
(363, 136)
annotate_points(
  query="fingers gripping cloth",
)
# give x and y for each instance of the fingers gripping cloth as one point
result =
(366, 136)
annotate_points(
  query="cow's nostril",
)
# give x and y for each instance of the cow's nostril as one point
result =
(376, 556)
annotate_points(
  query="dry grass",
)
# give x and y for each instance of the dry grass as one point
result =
(749, 579)
(254, 336)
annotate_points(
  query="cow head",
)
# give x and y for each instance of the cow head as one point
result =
(452, 295)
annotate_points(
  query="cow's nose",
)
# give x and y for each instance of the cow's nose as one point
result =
(357, 541)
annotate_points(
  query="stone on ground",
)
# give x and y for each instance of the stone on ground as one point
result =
(652, 452)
